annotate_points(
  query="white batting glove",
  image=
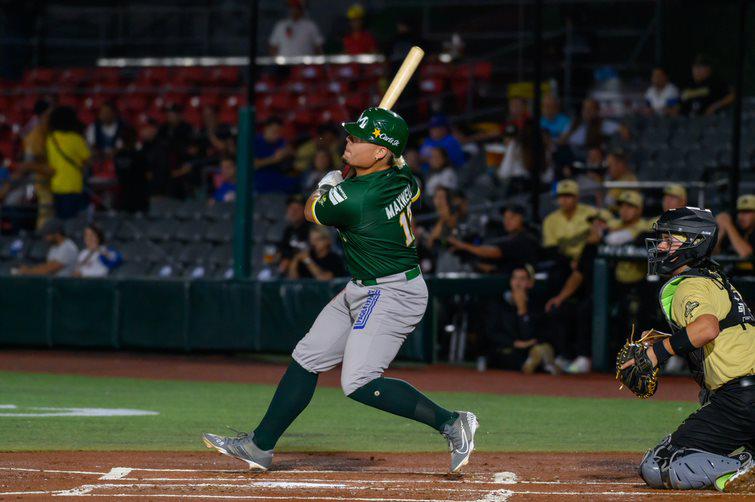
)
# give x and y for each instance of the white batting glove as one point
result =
(331, 179)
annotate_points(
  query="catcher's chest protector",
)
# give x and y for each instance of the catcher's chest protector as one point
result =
(739, 313)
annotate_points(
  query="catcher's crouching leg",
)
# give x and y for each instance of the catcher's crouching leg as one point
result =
(667, 466)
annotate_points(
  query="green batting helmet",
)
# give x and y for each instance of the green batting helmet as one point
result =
(381, 127)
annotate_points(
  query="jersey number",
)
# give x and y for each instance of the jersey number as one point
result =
(405, 220)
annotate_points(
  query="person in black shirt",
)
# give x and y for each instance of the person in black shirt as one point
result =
(739, 239)
(518, 246)
(296, 233)
(319, 261)
(517, 338)
(131, 170)
(571, 308)
(156, 157)
(706, 94)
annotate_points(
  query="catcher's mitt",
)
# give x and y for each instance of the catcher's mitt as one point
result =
(641, 378)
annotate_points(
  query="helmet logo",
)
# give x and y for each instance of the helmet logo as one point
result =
(362, 121)
(376, 132)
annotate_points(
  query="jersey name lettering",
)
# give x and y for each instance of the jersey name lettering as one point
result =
(337, 195)
(399, 203)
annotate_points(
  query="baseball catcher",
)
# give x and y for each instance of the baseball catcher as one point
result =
(364, 326)
(712, 327)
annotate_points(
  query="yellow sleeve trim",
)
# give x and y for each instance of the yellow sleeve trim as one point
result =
(314, 215)
(416, 196)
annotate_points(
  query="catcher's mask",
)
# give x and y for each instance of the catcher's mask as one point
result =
(684, 236)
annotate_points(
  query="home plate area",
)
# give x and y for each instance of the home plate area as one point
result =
(375, 477)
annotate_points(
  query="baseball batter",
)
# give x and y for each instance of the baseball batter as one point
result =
(364, 326)
(714, 329)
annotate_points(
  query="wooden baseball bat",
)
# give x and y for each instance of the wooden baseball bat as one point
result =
(404, 73)
(411, 61)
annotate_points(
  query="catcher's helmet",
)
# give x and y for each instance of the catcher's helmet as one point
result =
(695, 228)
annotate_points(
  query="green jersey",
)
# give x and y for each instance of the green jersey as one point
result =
(373, 216)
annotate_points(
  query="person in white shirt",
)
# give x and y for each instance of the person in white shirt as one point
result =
(90, 261)
(61, 257)
(662, 96)
(295, 35)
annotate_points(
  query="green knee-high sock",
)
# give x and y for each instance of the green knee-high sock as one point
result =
(293, 395)
(400, 398)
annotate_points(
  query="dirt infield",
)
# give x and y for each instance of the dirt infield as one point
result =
(238, 369)
(326, 476)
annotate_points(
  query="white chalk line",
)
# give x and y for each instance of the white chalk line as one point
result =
(260, 497)
(117, 473)
(25, 469)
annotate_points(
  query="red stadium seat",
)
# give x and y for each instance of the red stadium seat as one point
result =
(334, 114)
(228, 116)
(107, 75)
(347, 71)
(40, 76)
(432, 85)
(224, 75)
(153, 76)
(75, 76)
(435, 70)
(307, 72)
(319, 100)
(281, 101)
(190, 75)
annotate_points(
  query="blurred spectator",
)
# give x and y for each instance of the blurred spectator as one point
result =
(518, 112)
(35, 161)
(322, 164)
(590, 175)
(567, 227)
(296, 233)
(214, 138)
(91, 260)
(358, 40)
(440, 136)
(401, 42)
(630, 285)
(519, 158)
(68, 156)
(271, 155)
(319, 261)
(618, 170)
(706, 94)
(441, 172)
(738, 238)
(329, 138)
(295, 35)
(156, 158)
(590, 130)
(625, 231)
(553, 121)
(518, 246)
(517, 338)
(572, 306)
(61, 257)
(131, 171)
(226, 190)
(104, 133)
(674, 197)
(177, 135)
(662, 96)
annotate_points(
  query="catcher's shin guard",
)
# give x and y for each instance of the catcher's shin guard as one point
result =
(684, 468)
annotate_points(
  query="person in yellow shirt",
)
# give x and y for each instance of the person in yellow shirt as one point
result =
(713, 328)
(67, 156)
(568, 226)
(618, 170)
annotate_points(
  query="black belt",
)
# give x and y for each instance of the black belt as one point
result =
(747, 381)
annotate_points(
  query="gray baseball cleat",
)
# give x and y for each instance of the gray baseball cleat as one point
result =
(241, 447)
(460, 436)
